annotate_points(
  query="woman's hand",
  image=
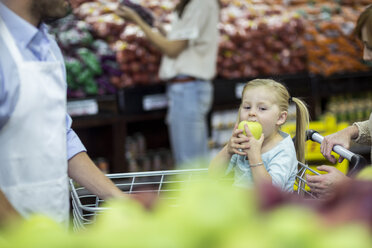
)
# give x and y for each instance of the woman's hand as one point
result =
(238, 142)
(325, 185)
(342, 138)
(160, 26)
(128, 14)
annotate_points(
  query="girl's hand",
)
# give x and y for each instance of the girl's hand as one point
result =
(128, 14)
(254, 145)
(238, 142)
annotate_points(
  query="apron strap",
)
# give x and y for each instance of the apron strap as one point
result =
(11, 44)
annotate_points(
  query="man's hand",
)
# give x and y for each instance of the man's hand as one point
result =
(324, 185)
(147, 199)
(82, 169)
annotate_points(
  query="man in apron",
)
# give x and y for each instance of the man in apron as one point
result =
(35, 161)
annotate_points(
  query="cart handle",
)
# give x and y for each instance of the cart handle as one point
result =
(357, 162)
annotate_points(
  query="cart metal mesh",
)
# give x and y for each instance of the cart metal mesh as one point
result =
(86, 206)
(300, 185)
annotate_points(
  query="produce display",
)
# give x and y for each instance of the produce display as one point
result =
(258, 38)
(330, 44)
(349, 108)
(91, 67)
(145, 14)
(99, 15)
(213, 215)
(138, 59)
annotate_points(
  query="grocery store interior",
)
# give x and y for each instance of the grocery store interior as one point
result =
(119, 108)
(118, 103)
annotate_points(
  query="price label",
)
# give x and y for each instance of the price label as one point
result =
(239, 90)
(82, 107)
(154, 102)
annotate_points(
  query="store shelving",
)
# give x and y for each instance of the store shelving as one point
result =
(105, 134)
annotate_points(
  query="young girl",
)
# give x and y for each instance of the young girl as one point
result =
(272, 158)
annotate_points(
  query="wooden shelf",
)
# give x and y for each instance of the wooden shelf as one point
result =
(103, 135)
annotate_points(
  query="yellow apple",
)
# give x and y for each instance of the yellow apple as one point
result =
(254, 127)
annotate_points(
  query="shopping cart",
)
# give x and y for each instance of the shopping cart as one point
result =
(356, 163)
(86, 206)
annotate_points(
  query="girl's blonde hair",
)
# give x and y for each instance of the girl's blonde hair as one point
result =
(282, 100)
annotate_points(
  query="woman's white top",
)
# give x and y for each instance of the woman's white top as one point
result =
(198, 25)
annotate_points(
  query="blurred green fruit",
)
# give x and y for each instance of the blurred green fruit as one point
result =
(39, 231)
(345, 236)
(365, 174)
(292, 226)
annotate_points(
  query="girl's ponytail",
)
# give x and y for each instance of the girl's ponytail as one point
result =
(302, 123)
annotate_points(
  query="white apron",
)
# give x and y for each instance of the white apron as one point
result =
(33, 160)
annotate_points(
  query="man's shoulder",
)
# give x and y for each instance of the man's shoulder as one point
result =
(52, 40)
(55, 48)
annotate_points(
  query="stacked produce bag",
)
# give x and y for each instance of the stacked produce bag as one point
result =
(330, 43)
(90, 63)
(258, 38)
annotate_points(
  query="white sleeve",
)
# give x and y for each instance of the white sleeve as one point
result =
(194, 17)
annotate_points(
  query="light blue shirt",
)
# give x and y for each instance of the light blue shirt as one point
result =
(280, 162)
(34, 44)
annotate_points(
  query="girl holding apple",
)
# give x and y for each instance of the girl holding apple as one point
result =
(272, 156)
(189, 63)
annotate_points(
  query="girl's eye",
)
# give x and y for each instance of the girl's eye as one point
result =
(262, 108)
(247, 107)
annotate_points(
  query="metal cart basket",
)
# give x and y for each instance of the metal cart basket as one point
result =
(357, 163)
(85, 205)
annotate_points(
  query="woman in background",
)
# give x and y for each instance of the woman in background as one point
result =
(188, 66)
